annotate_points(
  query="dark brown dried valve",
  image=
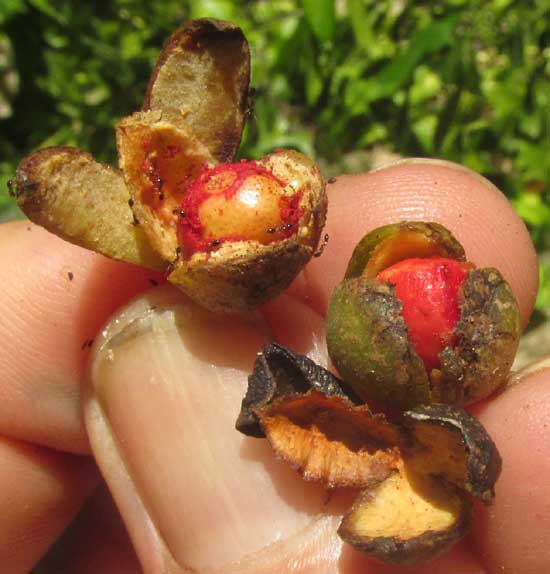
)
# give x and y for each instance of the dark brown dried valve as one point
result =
(414, 323)
(280, 372)
(231, 235)
(313, 422)
(423, 508)
(417, 476)
(407, 519)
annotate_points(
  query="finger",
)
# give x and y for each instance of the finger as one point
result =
(54, 298)
(166, 384)
(477, 213)
(42, 491)
(513, 535)
(95, 542)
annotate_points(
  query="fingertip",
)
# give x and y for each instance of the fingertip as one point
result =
(42, 490)
(203, 495)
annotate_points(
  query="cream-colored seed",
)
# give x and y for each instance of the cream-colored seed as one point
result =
(252, 213)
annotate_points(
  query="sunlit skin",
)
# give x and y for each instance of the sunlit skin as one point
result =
(428, 289)
(235, 202)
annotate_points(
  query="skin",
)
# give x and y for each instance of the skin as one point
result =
(203, 498)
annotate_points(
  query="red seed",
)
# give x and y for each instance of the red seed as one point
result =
(428, 289)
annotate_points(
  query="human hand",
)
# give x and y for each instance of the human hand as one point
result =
(165, 388)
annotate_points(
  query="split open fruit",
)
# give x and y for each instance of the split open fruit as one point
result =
(414, 323)
(231, 235)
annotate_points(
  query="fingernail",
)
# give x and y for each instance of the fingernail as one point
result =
(167, 381)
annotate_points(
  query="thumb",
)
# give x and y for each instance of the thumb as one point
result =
(165, 387)
(166, 383)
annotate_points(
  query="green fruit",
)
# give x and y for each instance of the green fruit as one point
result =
(368, 339)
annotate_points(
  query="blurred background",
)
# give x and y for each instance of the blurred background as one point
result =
(353, 83)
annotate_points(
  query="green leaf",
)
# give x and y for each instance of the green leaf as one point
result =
(533, 160)
(476, 161)
(424, 129)
(9, 8)
(358, 17)
(46, 7)
(531, 208)
(321, 17)
(543, 296)
(314, 85)
(427, 84)
(434, 37)
(223, 9)
(375, 133)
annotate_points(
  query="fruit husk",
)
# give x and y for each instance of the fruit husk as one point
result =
(418, 475)
(407, 519)
(488, 334)
(329, 440)
(200, 84)
(451, 443)
(196, 102)
(368, 343)
(279, 372)
(240, 275)
(66, 191)
(139, 137)
(392, 243)
(313, 424)
(449, 457)
(368, 339)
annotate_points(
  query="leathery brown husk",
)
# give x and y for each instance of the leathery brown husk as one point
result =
(416, 476)
(192, 120)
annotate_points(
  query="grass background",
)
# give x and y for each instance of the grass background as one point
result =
(350, 82)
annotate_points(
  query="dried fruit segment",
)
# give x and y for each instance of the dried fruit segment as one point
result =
(409, 518)
(200, 84)
(159, 162)
(451, 443)
(70, 194)
(279, 372)
(330, 440)
(417, 475)
(423, 508)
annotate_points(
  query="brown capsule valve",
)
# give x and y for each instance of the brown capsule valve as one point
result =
(417, 474)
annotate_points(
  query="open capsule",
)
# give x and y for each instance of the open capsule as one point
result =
(414, 323)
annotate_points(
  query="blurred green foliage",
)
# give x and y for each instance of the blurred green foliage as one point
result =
(463, 80)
